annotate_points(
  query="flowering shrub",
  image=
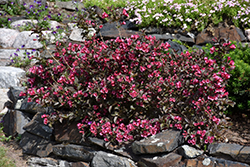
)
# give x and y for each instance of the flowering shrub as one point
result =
(238, 85)
(125, 89)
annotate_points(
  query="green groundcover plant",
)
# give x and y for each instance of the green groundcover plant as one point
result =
(189, 15)
(125, 89)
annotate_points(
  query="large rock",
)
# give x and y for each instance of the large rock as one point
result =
(30, 107)
(9, 76)
(13, 94)
(3, 98)
(228, 151)
(26, 39)
(168, 160)
(189, 152)
(76, 35)
(165, 141)
(37, 127)
(229, 33)
(174, 46)
(110, 30)
(36, 161)
(103, 159)
(14, 121)
(69, 5)
(6, 55)
(79, 164)
(35, 145)
(7, 37)
(74, 152)
(212, 162)
(67, 133)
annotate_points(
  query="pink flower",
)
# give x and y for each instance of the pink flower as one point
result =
(178, 84)
(232, 46)
(105, 15)
(100, 26)
(144, 97)
(123, 23)
(124, 12)
(44, 116)
(50, 61)
(22, 94)
(95, 107)
(133, 94)
(212, 50)
(79, 125)
(45, 121)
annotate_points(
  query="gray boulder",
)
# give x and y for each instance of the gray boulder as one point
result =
(9, 76)
(74, 152)
(37, 127)
(176, 47)
(35, 145)
(165, 141)
(228, 151)
(70, 5)
(26, 39)
(170, 159)
(7, 37)
(189, 152)
(103, 159)
(14, 121)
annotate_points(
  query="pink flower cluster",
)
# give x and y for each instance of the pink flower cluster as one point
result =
(120, 132)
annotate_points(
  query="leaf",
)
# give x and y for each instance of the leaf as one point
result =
(110, 108)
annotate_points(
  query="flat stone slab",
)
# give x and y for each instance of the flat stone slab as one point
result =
(170, 159)
(189, 152)
(9, 76)
(7, 37)
(67, 133)
(30, 107)
(26, 39)
(74, 152)
(35, 145)
(37, 127)
(228, 151)
(213, 162)
(165, 141)
(103, 159)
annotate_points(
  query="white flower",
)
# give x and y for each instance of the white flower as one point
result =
(184, 26)
(188, 20)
